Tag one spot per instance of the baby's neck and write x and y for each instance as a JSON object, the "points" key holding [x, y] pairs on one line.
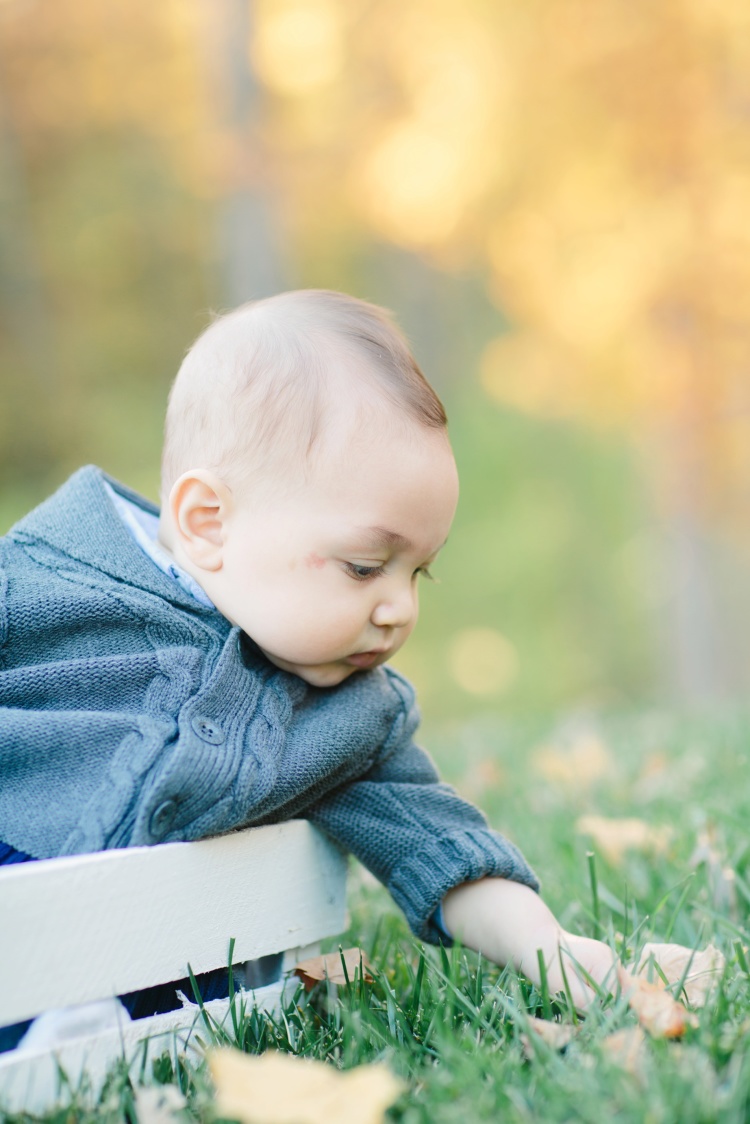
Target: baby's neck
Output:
{"points": [[166, 533]]}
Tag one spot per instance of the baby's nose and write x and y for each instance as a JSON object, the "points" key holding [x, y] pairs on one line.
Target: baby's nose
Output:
{"points": [[396, 611]]}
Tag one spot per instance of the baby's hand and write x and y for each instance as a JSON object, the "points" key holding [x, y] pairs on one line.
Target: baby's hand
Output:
{"points": [[509, 923], [586, 964]]}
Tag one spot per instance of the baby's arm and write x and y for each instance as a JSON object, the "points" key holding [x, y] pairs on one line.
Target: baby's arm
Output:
{"points": [[507, 922], [431, 847]]}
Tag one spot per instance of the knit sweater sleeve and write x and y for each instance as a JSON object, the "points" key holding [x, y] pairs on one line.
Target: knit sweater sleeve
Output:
{"points": [[415, 833]]}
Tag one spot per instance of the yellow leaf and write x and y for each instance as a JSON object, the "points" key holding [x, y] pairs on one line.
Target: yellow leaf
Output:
{"points": [[329, 967], [577, 765], [283, 1089], [556, 1035], [704, 968], [481, 777], [613, 837], [656, 1010], [626, 1048]]}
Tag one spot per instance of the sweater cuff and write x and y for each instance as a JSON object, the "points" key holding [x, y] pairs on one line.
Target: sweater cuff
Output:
{"points": [[421, 881]]}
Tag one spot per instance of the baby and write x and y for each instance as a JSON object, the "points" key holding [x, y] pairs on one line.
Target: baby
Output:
{"points": [[224, 663]]}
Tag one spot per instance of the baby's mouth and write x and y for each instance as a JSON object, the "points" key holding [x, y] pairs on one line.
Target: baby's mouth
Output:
{"points": [[366, 659]]}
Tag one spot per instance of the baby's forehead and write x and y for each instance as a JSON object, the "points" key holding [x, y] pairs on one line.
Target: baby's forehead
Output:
{"points": [[351, 429]]}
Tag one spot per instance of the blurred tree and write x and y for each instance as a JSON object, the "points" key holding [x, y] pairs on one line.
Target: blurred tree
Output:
{"points": [[249, 248], [103, 119], [593, 159], [582, 165], [24, 313]]}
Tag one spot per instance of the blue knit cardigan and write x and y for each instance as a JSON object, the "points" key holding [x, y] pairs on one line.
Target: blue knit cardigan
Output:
{"points": [[130, 714]]}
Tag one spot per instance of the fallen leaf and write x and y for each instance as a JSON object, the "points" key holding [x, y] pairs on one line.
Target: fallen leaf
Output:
{"points": [[626, 1048], [576, 764], [692, 1067], [665, 775], [157, 1104], [656, 1010], [556, 1035], [704, 968], [283, 1089], [481, 776], [613, 837], [329, 967], [721, 877], [655, 765]]}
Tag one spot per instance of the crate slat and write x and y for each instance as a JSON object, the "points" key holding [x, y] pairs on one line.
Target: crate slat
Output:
{"points": [[30, 1080], [77, 929]]}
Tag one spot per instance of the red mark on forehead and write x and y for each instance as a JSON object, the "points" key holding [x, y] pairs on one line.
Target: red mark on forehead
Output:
{"points": [[314, 561]]}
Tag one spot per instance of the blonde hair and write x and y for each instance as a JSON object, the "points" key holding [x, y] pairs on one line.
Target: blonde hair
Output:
{"points": [[253, 385]]}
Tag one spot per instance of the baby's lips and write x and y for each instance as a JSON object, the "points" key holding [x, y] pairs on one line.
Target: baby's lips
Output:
{"points": [[366, 659]]}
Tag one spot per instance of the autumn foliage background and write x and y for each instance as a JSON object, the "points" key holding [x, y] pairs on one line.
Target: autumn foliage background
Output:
{"points": [[554, 198]]}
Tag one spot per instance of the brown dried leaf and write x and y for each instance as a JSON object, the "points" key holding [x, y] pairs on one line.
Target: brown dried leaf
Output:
{"points": [[481, 776], [613, 837], [578, 764], [329, 967], [283, 1089], [705, 968], [656, 1010], [556, 1035], [626, 1048]]}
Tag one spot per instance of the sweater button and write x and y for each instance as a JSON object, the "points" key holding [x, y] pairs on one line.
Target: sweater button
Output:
{"points": [[162, 818], [208, 731]]}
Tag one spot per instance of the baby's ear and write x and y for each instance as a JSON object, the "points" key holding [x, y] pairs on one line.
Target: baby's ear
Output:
{"points": [[199, 504]]}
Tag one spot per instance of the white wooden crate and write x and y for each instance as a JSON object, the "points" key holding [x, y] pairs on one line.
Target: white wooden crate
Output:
{"points": [[74, 930]]}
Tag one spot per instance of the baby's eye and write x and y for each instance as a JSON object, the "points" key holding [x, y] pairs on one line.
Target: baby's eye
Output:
{"points": [[362, 573], [425, 573]]}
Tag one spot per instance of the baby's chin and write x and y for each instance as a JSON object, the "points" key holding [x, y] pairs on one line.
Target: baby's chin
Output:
{"points": [[317, 675]]}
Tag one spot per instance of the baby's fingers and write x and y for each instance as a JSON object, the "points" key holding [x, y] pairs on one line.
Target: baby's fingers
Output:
{"points": [[567, 976], [583, 969]]}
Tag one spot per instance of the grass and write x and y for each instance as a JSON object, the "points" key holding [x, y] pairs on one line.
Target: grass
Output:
{"points": [[453, 1026]]}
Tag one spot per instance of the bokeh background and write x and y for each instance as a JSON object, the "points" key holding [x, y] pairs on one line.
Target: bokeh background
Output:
{"points": [[554, 198]]}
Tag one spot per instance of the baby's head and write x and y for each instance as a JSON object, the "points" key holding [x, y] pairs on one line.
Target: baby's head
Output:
{"points": [[307, 479]]}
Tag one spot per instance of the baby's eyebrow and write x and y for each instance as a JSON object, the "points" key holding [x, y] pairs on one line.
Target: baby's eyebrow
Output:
{"points": [[382, 536]]}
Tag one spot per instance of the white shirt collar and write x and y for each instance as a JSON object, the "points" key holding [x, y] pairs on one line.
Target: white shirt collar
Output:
{"points": [[144, 527]]}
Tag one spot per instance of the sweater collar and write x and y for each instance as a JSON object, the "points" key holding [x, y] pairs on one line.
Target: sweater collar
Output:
{"points": [[81, 521]]}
